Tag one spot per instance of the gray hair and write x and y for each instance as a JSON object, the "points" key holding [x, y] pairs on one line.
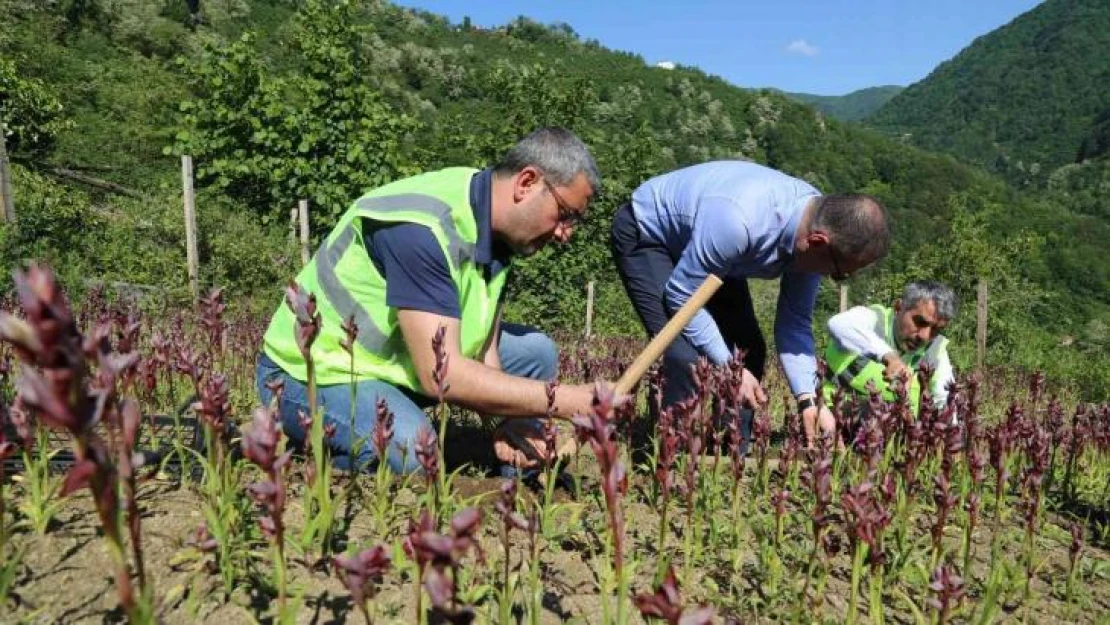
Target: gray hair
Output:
{"points": [[930, 290], [857, 225], [558, 152]]}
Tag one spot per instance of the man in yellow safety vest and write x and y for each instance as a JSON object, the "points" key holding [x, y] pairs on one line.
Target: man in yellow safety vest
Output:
{"points": [[423, 253], [872, 346]]}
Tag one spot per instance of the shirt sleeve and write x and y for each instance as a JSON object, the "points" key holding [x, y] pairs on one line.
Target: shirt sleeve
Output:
{"points": [[943, 375], [717, 241], [854, 331], [794, 329], [416, 271]]}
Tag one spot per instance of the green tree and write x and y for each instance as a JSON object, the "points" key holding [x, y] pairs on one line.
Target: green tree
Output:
{"points": [[963, 257], [321, 133], [30, 113]]}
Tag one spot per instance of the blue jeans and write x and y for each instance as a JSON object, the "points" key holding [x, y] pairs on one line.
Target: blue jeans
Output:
{"points": [[524, 352]]}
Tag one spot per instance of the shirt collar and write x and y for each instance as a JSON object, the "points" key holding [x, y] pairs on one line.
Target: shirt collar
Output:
{"points": [[790, 229], [481, 199]]}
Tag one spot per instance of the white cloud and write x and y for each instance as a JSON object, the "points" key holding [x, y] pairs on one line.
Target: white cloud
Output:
{"points": [[665, 64], [803, 47]]}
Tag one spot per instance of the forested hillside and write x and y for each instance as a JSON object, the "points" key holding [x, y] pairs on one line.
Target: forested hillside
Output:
{"points": [[852, 106], [1021, 101], [279, 100]]}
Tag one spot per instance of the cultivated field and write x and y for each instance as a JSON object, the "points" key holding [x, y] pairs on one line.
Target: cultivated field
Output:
{"points": [[143, 481]]}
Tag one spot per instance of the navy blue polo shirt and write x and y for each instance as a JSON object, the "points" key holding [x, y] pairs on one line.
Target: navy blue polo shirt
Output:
{"points": [[412, 261]]}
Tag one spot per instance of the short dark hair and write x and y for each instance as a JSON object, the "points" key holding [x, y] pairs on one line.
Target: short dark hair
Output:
{"points": [[857, 225], [558, 152]]}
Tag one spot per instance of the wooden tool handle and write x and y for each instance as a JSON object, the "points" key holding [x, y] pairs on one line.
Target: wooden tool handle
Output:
{"points": [[659, 344]]}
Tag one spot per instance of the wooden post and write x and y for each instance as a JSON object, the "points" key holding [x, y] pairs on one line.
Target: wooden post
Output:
{"points": [[981, 330], [843, 297], [190, 224], [589, 308], [7, 200], [303, 207]]}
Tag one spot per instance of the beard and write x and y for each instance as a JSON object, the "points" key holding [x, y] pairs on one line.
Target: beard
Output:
{"points": [[524, 250], [530, 247]]}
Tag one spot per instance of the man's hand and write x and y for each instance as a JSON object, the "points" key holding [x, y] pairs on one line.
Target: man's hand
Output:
{"points": [[752, 394], [896, 369], [573, 399], [818, 417], [519, 443]]}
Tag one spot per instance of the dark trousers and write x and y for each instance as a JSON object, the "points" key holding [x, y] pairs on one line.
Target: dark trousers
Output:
{"points": [[645, 266]]}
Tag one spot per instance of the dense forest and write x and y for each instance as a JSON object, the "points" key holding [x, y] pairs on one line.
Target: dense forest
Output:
{"points": [[850, 107], [1021, 101], [279, 100]]}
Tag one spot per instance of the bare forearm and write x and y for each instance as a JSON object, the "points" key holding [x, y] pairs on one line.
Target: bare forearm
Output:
{"points": [[478, 385], [487, 390]]}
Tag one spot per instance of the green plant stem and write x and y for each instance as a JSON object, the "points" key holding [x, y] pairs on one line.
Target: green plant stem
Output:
{"points": [[969, 548], [663, 526], [506, 595], [381, 492], [110, 522], [798, 608], [1069, 584], [322, 507], [535, 589], [354, 442], [1029, 531], [876, 588], [40, 504], [279, 571], [3, 518], [853, 596], [441, 482], [421, 617]]}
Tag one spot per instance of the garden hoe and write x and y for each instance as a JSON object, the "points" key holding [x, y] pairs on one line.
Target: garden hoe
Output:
{"points": [[636, 370]]}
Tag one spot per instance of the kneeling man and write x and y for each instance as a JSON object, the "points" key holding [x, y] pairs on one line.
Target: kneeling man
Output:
{"points": [[876, 345]]}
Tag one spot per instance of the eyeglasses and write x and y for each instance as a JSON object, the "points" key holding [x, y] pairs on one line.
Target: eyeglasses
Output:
{"points": [[568, 216], [838, 275]]}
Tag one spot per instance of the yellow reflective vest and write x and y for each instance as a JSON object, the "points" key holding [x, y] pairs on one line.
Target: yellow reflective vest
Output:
{"points": [[347, 283], [854, 372]]}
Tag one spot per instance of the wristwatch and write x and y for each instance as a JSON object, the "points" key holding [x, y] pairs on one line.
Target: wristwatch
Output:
{"points": [[807, 403]]}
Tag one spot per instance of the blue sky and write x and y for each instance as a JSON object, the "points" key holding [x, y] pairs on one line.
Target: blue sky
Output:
{"points": [[827, 47]]}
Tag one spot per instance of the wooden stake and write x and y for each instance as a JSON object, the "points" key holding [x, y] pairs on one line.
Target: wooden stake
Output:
{"points": [[589, 308], [981, 330], [7, 200], [303, 208], [190, 224], [843, 297]]}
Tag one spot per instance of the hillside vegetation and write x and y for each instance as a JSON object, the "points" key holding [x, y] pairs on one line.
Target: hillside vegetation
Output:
{"points": [[852, 106], [1022, 100], [279, 100]]}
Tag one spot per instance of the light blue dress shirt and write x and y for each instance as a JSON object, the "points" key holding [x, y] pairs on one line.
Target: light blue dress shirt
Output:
{"points": [[734, 219]]}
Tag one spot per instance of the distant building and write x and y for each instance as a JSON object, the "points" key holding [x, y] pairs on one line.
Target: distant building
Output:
{"points": [[665, 64]]}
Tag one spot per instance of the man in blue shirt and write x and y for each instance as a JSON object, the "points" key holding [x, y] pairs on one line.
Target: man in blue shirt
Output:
{"points": [[739, 220]]}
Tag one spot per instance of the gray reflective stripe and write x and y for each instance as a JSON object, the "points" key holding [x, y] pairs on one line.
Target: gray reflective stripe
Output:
{"points": [[457, 249], [854, 368], [370, 336]]}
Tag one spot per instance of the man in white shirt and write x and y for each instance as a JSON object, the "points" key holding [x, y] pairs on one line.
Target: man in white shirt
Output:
{"points": [[876, 345]]}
